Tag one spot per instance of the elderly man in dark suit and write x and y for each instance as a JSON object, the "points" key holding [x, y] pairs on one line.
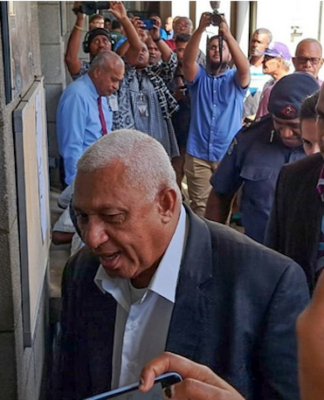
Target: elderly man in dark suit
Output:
{"points": [[296, 224], [156, 277]]}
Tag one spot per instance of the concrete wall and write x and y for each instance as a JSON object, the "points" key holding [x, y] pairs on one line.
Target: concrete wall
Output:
{"points": [[51, 27], [56, 20], [21, 369]]}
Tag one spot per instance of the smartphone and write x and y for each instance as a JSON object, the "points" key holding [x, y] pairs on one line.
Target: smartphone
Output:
{"points": [[149, 23], [132, 392]]}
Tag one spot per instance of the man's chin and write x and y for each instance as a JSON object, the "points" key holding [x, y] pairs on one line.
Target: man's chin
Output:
{"points": [[291, 142], [218, 66]]}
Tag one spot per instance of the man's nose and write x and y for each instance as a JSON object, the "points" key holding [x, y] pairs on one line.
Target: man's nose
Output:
{"points": [[94, 234], [286, 132]]}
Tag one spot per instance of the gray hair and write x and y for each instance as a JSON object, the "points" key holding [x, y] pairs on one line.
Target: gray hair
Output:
{"points": [[147, 164], [264, 31], [286, 63], [105, 59]]}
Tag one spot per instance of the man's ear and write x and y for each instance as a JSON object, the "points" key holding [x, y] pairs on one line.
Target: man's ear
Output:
{"points": [[167, 203], [96, 72], [294, 62]]}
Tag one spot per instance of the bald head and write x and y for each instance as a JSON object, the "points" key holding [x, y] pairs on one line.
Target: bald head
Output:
{"points": [[308, 43], [308, 57], [182, 25], [106, 72], [106, 59]]}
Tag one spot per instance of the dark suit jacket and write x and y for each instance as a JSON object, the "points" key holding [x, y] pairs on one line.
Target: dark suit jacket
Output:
{"points": [[295, 221], [235, 311]]}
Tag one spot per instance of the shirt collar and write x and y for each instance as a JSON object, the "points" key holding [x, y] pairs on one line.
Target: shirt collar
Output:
{"points": [[91, 86], [165, 279]]}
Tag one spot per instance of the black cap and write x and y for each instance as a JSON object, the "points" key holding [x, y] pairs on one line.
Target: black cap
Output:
{"points": [[98, 32], [288, 94]]}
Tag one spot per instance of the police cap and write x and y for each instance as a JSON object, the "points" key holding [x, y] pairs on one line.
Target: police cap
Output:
{"points": [[288, 94]]}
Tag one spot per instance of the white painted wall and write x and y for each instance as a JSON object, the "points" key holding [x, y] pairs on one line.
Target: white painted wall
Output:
{"points": [[180, 8]]}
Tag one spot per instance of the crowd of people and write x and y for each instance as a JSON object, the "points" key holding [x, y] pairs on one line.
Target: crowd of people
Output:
{"points": [[152, 273]]}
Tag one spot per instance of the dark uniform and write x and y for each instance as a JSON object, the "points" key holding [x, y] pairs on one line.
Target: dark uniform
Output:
{"points": [[254, 159]]}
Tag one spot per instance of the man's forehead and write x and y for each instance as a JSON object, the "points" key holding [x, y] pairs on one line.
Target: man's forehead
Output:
{"points": [[311, 49], [215, 41], [183, 21], [259, 36]]}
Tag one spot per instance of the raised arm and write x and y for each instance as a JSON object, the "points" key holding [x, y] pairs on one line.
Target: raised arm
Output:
{"points": [[239, 59], [72, 60], [135, 45], [163, 47], [190, 66]]}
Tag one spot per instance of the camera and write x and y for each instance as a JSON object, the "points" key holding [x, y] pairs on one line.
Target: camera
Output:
{"points": [[216, 18], [91, 7]]}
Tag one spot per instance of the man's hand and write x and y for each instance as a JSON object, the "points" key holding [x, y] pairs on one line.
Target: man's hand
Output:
{"points": [[204, 22], [224, 29], [77, 7], [118, 10], [199, 382], [138, 24], [155, 32]]}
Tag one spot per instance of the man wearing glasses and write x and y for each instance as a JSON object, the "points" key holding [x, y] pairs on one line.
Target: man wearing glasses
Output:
{"points": [[308, 57]]}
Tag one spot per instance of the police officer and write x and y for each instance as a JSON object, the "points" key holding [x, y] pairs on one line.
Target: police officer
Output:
{"points": [[256, 155]]}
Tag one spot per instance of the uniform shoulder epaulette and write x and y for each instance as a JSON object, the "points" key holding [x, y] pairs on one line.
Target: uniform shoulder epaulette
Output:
{"points": [[253, 123]]}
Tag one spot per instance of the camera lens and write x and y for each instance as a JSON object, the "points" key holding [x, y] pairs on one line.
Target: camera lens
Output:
{"points": [[216, 19]]}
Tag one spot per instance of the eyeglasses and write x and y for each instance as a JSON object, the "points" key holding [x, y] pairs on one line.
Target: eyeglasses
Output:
{"points": [[213, 48], [312, 60]]}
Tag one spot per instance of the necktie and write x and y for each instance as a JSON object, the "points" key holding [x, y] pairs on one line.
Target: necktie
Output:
{"points": [[102, 118]]}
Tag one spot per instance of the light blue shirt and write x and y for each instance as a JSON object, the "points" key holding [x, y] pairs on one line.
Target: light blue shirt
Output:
{"points": [[77, 122], [216, 114]]}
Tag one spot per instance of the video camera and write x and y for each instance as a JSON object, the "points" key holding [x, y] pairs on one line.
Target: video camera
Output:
{"points": [[91, 7]]}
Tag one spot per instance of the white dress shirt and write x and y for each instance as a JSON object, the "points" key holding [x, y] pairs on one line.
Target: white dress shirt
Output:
{"points": [[143, 315]]}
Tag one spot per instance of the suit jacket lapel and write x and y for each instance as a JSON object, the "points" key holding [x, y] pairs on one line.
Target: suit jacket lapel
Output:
{"points": [[313, 199], [191, 306]]}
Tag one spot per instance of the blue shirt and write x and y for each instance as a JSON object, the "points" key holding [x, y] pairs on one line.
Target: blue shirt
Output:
{"points": [[77, 122], [216, 113], [255, 158]]}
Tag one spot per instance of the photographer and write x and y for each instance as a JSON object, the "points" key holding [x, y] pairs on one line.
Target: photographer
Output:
{"points": [[217, 94], [75, 66], [96, 40]]}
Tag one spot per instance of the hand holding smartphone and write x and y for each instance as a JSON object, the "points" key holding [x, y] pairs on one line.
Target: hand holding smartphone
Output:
{"points": [[149, 23], [132, 392]]}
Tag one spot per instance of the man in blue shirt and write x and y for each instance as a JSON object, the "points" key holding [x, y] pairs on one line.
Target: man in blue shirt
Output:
{"points": [[78, 116], [217, 94], [81, 120], [257, 154]]}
